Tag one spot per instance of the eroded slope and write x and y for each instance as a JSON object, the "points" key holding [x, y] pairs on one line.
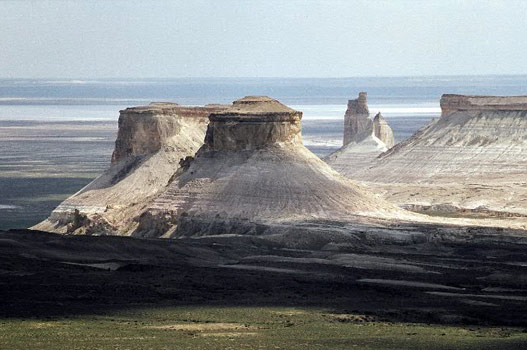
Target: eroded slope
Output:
{"points": [[474, 157], [151, 142], [254, 171]]}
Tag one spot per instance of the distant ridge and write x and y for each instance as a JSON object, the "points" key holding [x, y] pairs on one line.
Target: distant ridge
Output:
{"points": [[474, 157]]}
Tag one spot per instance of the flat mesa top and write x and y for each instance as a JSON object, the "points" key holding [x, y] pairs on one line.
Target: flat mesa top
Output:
{"points": [[257, 109], [474, 102], [171, 107]]}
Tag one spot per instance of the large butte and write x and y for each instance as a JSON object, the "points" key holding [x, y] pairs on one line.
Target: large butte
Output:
{"points": [[254, 173], [150, 143]]}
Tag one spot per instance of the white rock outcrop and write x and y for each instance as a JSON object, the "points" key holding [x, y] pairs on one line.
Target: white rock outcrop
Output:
{"points": [[151, 142], [253, 171], [477, 138], [472, 158], [357, 122], [359, 125], [383, 131], [364, 138], [247, 174]]}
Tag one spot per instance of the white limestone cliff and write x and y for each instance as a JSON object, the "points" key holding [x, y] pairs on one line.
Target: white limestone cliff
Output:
{"points": [[472, 160], [254, 172], [151, 143]]}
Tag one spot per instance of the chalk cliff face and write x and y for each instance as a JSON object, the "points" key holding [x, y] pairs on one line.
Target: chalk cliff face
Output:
{"points": [[148, 129], [358, 125], [451, 103], [476, 137], [473, 157], [251, 175], [251, 123], [152, 140], [253, 172]]}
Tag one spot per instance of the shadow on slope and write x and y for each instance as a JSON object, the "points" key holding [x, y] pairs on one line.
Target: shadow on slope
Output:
{"points": [[45, 275]]}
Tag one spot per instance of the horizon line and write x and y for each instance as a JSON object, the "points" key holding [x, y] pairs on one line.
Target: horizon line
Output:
{"points": [[271, 77]]}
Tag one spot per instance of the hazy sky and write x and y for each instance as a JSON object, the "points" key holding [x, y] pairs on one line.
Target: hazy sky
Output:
{"points": [[242, 38]]}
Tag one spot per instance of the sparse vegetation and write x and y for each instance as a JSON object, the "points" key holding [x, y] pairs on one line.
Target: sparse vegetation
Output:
{"points": [[245, 328]]}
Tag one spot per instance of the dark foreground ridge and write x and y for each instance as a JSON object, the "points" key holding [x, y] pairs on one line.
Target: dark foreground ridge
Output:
{"points": [[48, 275]]}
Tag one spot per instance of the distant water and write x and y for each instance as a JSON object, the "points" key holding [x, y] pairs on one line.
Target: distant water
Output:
{"points": [[401, 90], [57, 135]]}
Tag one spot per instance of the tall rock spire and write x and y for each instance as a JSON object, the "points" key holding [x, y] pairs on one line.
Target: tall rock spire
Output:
{"points": [[358, 125], [357, 122]]}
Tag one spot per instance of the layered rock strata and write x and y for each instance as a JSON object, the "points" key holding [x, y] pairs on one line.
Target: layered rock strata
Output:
{"points": [[251, 176], [356, 156], [482, 138], [451, 103], [474, 157], [252, 173], [151, 143]]}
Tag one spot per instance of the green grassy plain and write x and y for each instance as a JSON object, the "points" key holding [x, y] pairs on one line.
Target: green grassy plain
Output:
{"points": [[246, 328]]}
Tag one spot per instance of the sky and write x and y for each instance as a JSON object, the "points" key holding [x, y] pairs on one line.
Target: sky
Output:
{"points": [[268, 38]]}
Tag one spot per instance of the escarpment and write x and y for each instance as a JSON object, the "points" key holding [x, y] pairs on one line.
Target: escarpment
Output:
{"points": [[240, 169], [147, 129], [451, 103], [364, 138], [151, 142], [252, 173], [482, 138], [474, 157]]}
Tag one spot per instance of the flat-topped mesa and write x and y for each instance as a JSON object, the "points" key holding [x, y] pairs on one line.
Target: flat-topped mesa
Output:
{"points": [[254, 175], [253, 122], [357, 121], [471, 160], [452, 103], [477, 138], [145, 130], [151, 142]]}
